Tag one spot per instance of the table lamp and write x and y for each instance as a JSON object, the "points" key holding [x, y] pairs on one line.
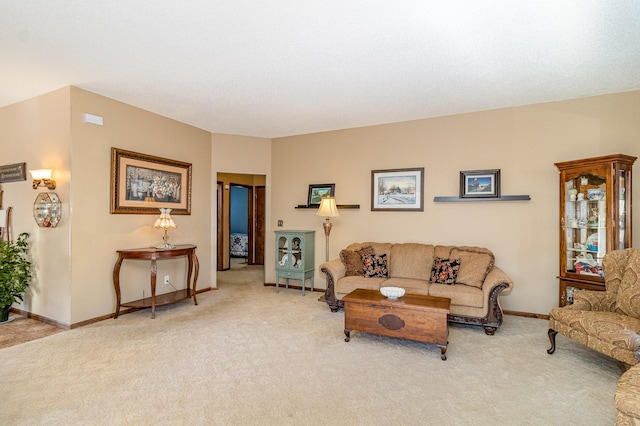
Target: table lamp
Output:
{"points": [[165, 222]]}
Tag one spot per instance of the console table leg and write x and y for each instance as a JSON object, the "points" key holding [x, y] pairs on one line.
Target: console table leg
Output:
{"points": [[154, 272], [196, 271], [116, 285], [443, 353], [347, 332]]}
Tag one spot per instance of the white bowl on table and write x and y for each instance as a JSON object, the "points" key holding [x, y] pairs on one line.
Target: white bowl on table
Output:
{"points": [[392, 292]]}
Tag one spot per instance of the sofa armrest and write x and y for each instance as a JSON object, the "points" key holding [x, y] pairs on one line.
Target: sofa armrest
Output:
{"points": [[332, 271], [496, 282], [593, 300], [334, 267], [496, 276]]}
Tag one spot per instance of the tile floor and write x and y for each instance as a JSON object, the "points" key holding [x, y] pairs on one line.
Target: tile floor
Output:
{"points": [[21, 329]]}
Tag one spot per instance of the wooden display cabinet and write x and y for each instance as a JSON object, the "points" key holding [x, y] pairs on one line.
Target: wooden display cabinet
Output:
{"points": [[595, 217]]}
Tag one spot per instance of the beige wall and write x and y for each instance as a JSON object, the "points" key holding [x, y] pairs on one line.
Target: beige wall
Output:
{"points": [[36, 131], [75, 276], [232, 154], [97, 234], [74, 261], [523, 142]]}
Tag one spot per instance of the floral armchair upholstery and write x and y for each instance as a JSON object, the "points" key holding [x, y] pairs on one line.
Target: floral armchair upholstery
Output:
{"points": [[607, 321]]}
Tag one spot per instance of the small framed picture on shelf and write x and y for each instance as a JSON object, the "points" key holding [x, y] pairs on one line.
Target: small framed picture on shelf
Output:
{"points": [[480, 183], [318, 191]]}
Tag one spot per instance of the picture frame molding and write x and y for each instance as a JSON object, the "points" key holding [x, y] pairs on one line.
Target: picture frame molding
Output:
{"points": [[121, 158], [415, 172], [494, 178], [331, 187]]}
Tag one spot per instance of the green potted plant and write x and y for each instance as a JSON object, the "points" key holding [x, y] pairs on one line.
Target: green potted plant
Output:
{"points": [[15, 273]]}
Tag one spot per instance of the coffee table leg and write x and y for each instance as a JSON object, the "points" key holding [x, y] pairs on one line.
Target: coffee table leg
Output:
{"points": [[443, 353], [347, 332]]}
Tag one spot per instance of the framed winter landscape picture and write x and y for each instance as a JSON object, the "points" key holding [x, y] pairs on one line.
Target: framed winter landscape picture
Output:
{"points": [[397, 190]]}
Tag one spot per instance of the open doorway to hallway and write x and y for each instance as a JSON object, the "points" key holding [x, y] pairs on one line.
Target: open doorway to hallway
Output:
{"points": [[241, 219]]}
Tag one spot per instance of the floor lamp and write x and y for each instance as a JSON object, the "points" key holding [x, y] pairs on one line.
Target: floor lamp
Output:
{"points": [[327, 209]]}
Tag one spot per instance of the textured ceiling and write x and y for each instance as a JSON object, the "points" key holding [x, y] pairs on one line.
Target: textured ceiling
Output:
{"points": [[287, 67]]}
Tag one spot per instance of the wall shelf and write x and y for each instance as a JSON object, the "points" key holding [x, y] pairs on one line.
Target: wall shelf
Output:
{"points": [[340, 206], [503, 198]]}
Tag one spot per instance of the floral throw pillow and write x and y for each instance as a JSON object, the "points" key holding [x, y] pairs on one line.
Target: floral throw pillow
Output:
{"points": [[444, 271], [375, 266]]}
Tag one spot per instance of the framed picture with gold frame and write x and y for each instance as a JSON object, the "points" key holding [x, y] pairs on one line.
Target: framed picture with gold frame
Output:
{"points": [[141, 183]]}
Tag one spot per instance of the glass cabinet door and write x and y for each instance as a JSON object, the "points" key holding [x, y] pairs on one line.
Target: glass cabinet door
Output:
{"points": [[283, 252], [595, 218], [296, 252], [623, 215], [585, 222]]}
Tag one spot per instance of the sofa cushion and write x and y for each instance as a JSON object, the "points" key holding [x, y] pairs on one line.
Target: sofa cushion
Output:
{"points": [[442, 252], [348, 284], [460, 295], [475, 264], [411, 285], [444, 271], [628, 298], [352, 260], [613, 329], [411, 260], [375, 266]]}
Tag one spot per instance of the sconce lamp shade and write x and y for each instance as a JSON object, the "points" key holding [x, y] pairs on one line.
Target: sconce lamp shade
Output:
{"points": [[328, 207], [165, 222], [42, 177]]}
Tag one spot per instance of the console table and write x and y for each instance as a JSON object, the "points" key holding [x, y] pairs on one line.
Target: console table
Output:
{"points": [[154, 254]]}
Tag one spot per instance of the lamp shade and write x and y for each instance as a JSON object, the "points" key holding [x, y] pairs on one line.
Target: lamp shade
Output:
{"points": [[40, 174], [165, 221], [328, 207]]}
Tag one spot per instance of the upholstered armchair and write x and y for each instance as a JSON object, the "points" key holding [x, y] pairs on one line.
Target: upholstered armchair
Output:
{"points": [[606, 321]]}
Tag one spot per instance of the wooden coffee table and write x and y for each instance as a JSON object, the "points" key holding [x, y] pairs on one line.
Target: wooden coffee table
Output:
{"points": [[413, 317]]}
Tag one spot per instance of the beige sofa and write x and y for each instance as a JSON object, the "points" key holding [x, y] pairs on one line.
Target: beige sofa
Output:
{"points": [[474, 292]]}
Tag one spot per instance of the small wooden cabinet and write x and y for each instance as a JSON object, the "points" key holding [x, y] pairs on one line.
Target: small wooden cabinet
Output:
{"points": [[295, 257], [595, 218]]}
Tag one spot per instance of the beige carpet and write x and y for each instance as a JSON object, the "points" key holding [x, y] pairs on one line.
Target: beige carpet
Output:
{"points": [[248, 356]]}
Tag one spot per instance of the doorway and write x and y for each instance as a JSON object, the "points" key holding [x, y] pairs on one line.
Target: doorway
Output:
{"points": [[241, 219]]}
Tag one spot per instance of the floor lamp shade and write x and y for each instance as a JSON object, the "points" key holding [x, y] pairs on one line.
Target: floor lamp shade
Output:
{"points": [[327, 209]]}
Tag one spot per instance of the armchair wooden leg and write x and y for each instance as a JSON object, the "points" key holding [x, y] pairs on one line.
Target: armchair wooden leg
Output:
{"points": [[552, 338]]}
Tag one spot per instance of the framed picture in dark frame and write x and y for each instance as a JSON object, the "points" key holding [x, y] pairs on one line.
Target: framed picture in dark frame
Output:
{"points": [[397, 190], [318, 191], [480, 183], [141, 183]]}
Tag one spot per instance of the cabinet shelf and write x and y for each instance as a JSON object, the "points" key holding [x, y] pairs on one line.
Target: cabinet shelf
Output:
{"points": [[340, 206], [503, 198]]}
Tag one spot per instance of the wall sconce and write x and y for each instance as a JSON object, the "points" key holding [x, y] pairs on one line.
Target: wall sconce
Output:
{"points": [[165, 222], [42, 177]]}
